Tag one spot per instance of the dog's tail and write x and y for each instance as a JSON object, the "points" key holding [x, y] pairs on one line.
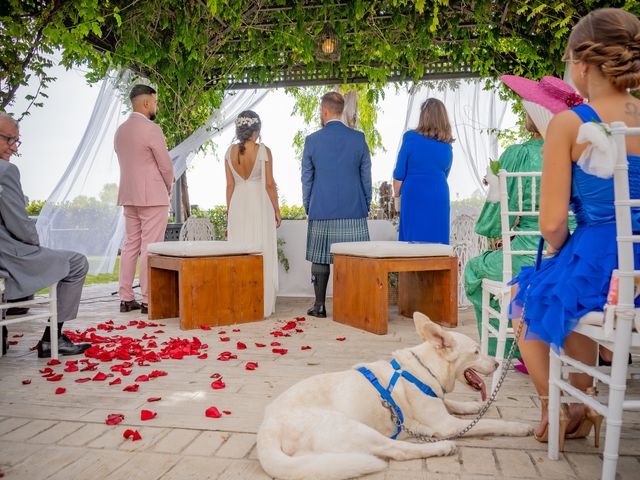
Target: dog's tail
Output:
{"points": [[316, 466]]}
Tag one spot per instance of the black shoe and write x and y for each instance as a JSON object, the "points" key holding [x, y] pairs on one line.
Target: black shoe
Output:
{"points": [[129, 306], [144, 308], [317, 311], [5, 340], [65, 347], [606, 363], [19, 310]]}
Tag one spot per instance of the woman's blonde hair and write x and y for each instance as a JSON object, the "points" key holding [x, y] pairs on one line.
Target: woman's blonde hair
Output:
{"points": [[609, 38], [434, 121]]}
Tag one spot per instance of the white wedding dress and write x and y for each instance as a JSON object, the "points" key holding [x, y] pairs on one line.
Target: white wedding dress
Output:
{"points": [[251, 220]]}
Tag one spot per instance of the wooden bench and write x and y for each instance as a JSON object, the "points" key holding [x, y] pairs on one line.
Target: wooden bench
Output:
{"points": [[428, 283], [205, 283]]}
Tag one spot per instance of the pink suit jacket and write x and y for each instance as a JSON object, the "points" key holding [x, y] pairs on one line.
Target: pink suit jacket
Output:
{"points": [[146, 172]]}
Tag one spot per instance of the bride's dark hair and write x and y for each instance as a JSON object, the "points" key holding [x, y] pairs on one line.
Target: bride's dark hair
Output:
{"points": [[247, 123]]}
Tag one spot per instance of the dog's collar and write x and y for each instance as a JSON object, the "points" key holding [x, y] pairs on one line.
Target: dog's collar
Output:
{"points": [[385, 393], [430, 372]]}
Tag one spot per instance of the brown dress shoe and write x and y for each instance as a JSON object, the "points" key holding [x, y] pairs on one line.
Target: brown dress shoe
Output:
{"points": [[129, 306]]}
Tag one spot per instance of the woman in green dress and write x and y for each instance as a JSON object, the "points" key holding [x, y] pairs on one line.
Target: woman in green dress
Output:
{"points": [[525, 157]]}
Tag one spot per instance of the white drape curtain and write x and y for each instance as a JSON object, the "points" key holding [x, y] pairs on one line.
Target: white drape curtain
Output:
{"points": [[81, 213]]}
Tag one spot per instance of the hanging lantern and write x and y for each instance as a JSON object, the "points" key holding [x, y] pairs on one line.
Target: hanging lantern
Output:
{"points": [[328, 44]]}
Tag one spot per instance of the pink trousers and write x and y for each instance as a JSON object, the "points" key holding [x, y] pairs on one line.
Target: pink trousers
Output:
{"points": [[143, 225]]}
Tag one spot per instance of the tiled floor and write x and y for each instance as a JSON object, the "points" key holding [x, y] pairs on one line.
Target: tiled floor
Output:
{"points": [[44, 435]]}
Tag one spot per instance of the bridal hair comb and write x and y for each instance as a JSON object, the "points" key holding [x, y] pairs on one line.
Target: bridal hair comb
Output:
{"points": [[246, 121]]}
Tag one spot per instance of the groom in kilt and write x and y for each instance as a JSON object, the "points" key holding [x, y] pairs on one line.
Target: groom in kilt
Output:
{"points": [[336, 192]]}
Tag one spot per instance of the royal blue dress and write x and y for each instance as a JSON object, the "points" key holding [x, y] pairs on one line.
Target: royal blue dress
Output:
{"points": [[423, 167], [576, 280]]}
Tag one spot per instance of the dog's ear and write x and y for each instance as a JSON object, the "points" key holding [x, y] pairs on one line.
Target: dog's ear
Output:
{"points": [[431, 332]]}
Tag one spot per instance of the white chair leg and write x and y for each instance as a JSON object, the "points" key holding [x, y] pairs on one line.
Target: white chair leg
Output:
{"points": [[555, 367], [616, 398], [501, 343], [484, 332], [53, 319]]}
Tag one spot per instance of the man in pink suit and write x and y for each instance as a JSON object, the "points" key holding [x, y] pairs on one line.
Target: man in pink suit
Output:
{"points": [[146, 178]]}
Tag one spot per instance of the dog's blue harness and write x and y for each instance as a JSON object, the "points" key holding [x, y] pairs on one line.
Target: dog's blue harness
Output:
{"points": [[385, 393]]}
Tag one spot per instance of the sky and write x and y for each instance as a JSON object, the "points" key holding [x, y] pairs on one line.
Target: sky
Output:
{"points": [[51, 134]]}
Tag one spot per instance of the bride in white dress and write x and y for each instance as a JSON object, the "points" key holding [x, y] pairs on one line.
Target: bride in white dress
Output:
{"points": [[253, 213]]}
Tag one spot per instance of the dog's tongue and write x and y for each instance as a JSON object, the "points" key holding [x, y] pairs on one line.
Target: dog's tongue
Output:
{"points": [[479, 383]]}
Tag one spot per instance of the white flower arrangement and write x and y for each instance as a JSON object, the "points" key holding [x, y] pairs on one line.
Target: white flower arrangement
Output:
{"points": [[246, 121]]}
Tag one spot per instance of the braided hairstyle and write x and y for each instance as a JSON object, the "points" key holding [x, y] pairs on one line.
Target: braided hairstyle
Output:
{"points": [[609, 38], [247, 123]]}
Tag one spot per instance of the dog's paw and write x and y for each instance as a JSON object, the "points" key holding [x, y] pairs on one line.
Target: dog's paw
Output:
{"points": [[446, 447], [471, 408], [517, 429]]}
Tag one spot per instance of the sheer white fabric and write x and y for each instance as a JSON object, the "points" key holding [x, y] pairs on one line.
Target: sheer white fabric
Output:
{"points": [[81, 214], [251, 220]]}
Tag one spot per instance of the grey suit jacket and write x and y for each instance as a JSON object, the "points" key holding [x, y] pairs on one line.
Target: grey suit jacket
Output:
{"points": [[27, 266]]}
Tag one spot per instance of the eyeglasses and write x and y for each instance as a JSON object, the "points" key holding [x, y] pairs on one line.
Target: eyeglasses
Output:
{"points": [[11, 140]]}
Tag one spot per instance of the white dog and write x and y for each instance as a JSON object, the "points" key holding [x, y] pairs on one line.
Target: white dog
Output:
{"points": [[333, 426]]}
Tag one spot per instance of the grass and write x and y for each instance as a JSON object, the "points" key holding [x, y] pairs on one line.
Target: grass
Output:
{"points": [[101, 277]]}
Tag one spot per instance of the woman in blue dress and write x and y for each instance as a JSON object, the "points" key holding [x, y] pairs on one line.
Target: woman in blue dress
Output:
{"points": [[604, 61], [420, 177]]}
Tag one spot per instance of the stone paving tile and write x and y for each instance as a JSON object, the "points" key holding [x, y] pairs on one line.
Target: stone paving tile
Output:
{"points": [[99, 463], [237, 446], [56, 432], [182, 444], [144, 466], [46, 463], [197, 468], [206, 443]]}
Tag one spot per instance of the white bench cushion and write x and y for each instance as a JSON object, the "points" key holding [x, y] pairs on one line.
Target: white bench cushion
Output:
{"points": [[391, 249], [212, 248]]}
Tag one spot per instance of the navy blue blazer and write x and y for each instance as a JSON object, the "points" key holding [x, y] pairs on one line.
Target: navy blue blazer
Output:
{"points": [[336, 173]]}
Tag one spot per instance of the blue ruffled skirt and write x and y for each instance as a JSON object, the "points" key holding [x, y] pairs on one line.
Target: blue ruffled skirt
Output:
{"points": [[567, 286]]}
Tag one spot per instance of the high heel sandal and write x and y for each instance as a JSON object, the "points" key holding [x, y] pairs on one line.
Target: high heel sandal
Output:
{"points": [[564, 421], [591, 418]]}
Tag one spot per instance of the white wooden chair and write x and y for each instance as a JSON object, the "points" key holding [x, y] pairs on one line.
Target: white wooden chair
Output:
{"points": [[615, 331], [50, 316], [500, 290], [197, 229], [466, 244]]}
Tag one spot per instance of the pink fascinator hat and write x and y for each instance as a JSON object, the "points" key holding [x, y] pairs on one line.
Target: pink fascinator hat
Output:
{"points": [[543, 99]]}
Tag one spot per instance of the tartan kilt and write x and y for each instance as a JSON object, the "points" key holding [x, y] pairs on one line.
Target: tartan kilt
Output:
{"points": [[321, 234]]}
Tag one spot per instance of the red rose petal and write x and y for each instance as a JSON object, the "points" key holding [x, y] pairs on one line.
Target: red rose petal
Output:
{"points": [[300, 319], [46, 370], [290, 326], [117, 381], [235, 330], [341, 339], [114, 418], [54, 362], [26, 381], [100, 377], [226, 412], [204, 356], [280, 351], [221, 332], [224, 339], [275, 344], [12, 342], [18, 335], [71, 368], [205, 327], [158, 373], [55, 378], [159, 331], [147, 415], [142, 378], [212, 412], [131, 388], [241, 346], [60, 390], [251, 365], [260, 345], [154, 399], [215, 375], [82, 380], [132, 434], [218, 384], [305, 347]]}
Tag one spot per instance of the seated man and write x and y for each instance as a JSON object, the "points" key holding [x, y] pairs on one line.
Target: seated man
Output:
{"points": [[27, 266]]}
